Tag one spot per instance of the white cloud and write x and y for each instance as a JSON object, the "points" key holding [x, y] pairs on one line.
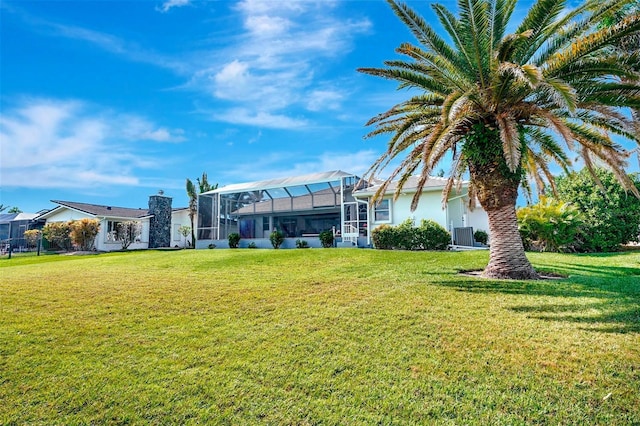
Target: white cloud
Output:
{"points": [[109, 43], [266, 26], [62, 144], [274, 63], [319, 100], [283, 164], [256, 138], [137, 128], [167, 5], [260, 119]]}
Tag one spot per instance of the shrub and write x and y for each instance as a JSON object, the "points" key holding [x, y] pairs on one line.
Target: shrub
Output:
{"points": [[383, 237], [405, 236], [211, 246], [127, 232], [276, 238], [481, 236], [234, 240], [32, 237], [57, 233], [549, 225], [252, 245], [428, 236], [611, 218], [83, 233], [431, 235], [302, 244], [185, 230], [326, 238]]}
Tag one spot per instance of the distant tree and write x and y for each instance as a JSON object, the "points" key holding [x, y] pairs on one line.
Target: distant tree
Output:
{"points": [[611, 214], [192, 193], [127, 232], [83, 233], [204, 184], [184, 230], [193, 206], [58, 233], [3, 208], [14, 210]]}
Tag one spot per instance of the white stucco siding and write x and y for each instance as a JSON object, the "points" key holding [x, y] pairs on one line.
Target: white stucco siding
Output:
{"points": [[478, 219], [429, 208], [457, 213], [66, 215], [180, 218]]}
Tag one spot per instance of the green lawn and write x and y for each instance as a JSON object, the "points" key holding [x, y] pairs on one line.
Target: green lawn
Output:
{"points": [[319, 336]]}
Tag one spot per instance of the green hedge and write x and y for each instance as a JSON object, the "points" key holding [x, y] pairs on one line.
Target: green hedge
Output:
{"points": [[428, 236]]}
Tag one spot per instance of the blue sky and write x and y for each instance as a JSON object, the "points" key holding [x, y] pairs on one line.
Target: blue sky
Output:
{"points": [[108, 102]]}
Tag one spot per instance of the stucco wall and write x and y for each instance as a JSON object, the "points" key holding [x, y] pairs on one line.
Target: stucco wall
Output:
{"points": [[180, 218], [430, 207]]}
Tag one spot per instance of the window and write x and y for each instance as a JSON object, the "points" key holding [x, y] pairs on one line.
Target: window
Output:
{"points": [[112, 226], [382, 211]]}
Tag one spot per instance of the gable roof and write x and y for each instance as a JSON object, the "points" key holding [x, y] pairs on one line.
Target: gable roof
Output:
{"points": [[99, 210]]}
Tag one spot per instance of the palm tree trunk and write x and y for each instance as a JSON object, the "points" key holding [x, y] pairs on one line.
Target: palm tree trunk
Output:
{"points": [[497, 195], [193, 232], [507, 258]]}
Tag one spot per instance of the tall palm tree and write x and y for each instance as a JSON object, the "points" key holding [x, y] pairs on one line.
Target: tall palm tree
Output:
{"points": [[192, 193], [493, 101], [204, 185]]}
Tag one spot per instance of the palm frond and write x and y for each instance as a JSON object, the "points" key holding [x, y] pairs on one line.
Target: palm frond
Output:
{"points": [[408, 78], [510, 137]]}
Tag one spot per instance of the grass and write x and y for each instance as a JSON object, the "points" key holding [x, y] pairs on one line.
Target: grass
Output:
{"points": [[321, 336]]}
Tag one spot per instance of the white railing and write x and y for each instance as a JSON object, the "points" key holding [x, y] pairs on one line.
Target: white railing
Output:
{"points": [[350, 234]]}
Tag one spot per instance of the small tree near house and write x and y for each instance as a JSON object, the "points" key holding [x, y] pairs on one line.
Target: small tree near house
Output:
{"points": [[185, 230], [83, 233], [32, 237], [128, 232], [57, 233]]}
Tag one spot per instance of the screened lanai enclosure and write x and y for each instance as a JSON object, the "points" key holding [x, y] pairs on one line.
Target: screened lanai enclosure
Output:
{"points": [[300, 207]]}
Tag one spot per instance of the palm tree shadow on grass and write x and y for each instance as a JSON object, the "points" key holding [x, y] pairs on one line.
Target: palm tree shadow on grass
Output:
{"points": [[617, 289]]}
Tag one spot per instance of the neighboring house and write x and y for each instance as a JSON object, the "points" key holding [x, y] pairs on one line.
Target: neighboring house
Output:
{"points": [[303, 206], [159, 223], [14, 225]]}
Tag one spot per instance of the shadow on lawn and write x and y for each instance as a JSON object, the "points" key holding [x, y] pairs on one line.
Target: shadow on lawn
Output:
{"points": [[617, 289]]}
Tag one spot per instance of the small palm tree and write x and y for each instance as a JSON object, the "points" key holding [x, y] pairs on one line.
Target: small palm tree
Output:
{"points": [[192, 193], [497, 102], [204, 185]]}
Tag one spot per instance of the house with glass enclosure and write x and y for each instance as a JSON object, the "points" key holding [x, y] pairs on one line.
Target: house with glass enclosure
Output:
{"points": [[302, 207]]}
